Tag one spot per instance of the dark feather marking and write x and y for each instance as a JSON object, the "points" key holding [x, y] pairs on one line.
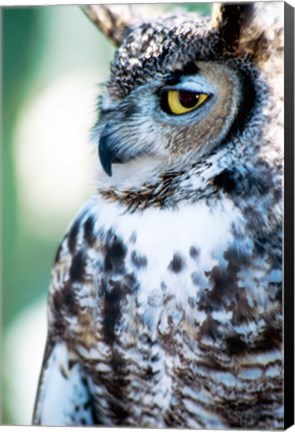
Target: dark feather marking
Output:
{"points": [[64, 300], [146, 339], [209, 328], [59, 325], [155, 358], [271, 337], [72, 237], [119, 411], [237, 411], [112, 311], [139, 261], [173, 417], [236, 258], [260, 245], [235, 345], [113, 297], [114, 292], [130, 283], [277, 194], [225, 181], [84, 381], [89, 233], [242, 312], [69, 299], [72, 363], [116, 387], [115, 254], [149, 373], [194, 252], [89, 404], [177, 264], [63, 371], [225, 282], [169, 419], [77, 269], [224, 286]]}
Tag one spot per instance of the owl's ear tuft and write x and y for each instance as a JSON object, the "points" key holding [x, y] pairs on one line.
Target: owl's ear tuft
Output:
{"points": [[112, 20], [231, 20]]}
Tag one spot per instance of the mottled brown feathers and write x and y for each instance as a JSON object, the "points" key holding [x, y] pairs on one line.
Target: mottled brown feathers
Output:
{"points": [[165, 305]]}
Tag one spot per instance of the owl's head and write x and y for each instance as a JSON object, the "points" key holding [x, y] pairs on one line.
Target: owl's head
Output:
{"points": [[182, 86]]}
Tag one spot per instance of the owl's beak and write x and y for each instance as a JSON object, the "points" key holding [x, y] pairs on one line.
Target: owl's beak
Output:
{"points": [[109, 150], [112, 148], [106, 154]]}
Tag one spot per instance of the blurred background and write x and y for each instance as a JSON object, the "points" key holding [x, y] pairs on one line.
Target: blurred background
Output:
{"points": [[53, 62]]}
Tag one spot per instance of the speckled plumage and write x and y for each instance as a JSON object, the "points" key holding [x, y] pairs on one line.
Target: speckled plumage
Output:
{"points": [[165, 306]]}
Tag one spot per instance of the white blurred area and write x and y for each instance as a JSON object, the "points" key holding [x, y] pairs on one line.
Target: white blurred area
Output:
{"points": [[24, 343], [54, 164], [53, 157], [54, 168]]}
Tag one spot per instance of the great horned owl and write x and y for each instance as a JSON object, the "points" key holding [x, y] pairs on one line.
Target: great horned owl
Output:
{"points": [[165, 306]]}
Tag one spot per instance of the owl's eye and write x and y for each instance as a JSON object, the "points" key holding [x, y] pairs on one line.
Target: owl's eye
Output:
{"points": [[181, 101]]}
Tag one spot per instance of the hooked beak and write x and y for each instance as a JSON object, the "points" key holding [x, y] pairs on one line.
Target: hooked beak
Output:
{"points": [[113, 149], [108, 150], [106, 154]]}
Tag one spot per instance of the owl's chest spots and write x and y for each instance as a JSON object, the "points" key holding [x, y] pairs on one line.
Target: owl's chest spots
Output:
{"points": [[167, 251], [170, 307], [154, 269], [160, 271]]}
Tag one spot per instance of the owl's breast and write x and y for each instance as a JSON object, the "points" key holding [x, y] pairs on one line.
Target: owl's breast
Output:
{"points": [[187, 318]]}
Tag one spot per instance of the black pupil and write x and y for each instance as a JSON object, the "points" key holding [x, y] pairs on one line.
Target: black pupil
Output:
{"points": [[188, 99]]}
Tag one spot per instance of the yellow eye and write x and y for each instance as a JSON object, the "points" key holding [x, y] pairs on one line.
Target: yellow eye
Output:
{"points": [[182, 101]]}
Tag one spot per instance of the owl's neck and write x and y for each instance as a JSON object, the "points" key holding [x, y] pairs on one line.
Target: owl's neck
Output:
{"points": [[155, 182]]}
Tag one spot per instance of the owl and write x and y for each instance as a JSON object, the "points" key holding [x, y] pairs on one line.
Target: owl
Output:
{"points": [[165, 302]]}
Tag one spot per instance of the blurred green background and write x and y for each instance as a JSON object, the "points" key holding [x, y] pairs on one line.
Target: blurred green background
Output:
{"points": [[53, 59]]}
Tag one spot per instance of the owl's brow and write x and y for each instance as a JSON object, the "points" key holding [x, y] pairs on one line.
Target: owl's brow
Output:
{"points": [[189, 68]]}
